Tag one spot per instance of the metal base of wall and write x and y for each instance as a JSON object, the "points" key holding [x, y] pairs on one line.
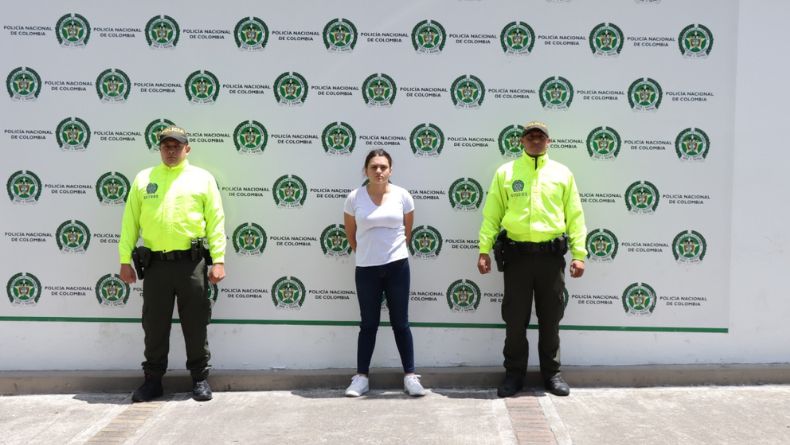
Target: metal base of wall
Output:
{"points": [[68, 382]]}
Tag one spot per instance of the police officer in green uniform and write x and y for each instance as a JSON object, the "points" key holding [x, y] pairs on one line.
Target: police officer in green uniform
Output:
{"points": [[176, 209], [532, 216]]}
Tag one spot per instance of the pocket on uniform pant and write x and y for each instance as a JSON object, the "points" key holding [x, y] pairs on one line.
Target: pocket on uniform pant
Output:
{"points": [[561, 280]]}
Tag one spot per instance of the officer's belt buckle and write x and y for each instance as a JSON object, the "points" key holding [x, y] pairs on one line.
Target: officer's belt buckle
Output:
{"points": [[173, 255]]}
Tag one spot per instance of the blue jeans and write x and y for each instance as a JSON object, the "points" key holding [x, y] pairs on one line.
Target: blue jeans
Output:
{"points": [[392, 280]]}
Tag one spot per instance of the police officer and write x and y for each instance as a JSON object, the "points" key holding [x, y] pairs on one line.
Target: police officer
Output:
{"points": [[177, 210], [533, 214]]}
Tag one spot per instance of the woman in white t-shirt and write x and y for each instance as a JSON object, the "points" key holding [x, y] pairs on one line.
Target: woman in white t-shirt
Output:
{"points": [[378, 219]]}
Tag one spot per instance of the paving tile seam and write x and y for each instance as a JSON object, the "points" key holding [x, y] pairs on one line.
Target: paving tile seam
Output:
{"points": [[529, 421], [557, 426], [127, 423], [117, 406], [503, 424]]}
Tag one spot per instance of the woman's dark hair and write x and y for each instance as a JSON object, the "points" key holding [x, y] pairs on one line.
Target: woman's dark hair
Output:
{"points": [[377, 152]]}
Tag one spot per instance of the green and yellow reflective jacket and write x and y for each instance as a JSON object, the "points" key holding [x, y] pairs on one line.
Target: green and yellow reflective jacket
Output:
{"points": [[169, 207], [536, 200]]}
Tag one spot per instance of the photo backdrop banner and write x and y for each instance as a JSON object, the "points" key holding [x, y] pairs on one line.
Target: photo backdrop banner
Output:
{"points": [[283, 101]]}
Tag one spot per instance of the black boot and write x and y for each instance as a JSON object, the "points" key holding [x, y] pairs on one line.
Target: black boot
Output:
{"points": [[557, 386], [511, 385], [149, 390], [201, 391]]}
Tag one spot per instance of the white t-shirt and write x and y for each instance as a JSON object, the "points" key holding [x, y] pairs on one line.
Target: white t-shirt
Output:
{"points": [[381, 235]]}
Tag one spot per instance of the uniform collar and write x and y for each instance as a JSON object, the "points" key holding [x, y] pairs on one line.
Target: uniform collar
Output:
{"points": [[534, 162], [176, 168]]}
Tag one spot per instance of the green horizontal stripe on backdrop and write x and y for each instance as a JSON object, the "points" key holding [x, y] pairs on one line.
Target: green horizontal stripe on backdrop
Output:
{"points": [[383, 323]]}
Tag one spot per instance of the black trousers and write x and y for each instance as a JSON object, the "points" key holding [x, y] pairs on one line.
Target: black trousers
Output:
{"points": [[166, 283], [539, 277]]}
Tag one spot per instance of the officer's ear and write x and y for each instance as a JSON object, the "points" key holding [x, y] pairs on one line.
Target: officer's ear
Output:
{"points": [[188, 148]]}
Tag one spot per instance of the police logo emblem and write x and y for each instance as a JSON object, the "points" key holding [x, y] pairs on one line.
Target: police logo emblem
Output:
{"points": [[517, 38], [288, 293], [695, 41], [338, 138], [113, 85], [428, 37], [73, 30], [602, 245], [73, 134], [379, 90], [463, 296], [112, 188], [152, 132], [73, 237], [692, 144], [334, 242], [689, 246], [510, 142], [606, 39], [151, 188], [290, 89], [426, 242], [289, 191], [518, 185], [24, 187], [23, 289], [426, 140], [603, 143], [251, 34], [23, 84], [565, 297], [340, 35], [250, 137], [639, 299], [556, 93], [249, 239], [111, 291], [468, 92], [213, 293], [162, 32], [644, 95], [641, 197], [465, 194], [202, 87]]}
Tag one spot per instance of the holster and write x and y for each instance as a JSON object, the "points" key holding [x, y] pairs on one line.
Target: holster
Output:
{"points": [[141, 257], [499, 251], [560, 244], [199, 250]]}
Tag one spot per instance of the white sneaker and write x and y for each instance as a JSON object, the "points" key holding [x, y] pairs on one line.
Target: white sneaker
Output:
{"points": [[358, 386], [412, 386]]}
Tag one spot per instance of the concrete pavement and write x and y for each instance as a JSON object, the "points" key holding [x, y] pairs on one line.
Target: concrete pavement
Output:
{"points": [[611, 416]]}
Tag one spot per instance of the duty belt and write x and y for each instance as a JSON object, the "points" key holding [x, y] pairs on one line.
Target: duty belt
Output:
{"points": [[173, 255], [558, 245], [529, 247]]}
